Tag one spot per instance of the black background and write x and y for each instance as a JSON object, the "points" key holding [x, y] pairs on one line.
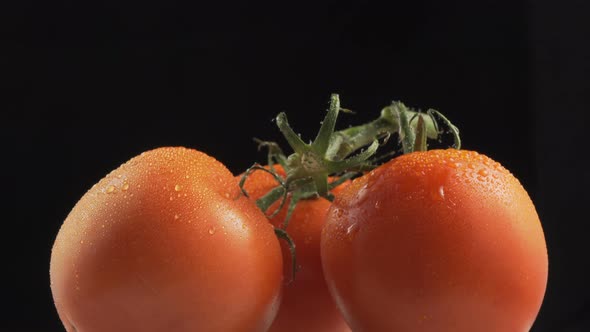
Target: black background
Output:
{"points": [[86, 86]]}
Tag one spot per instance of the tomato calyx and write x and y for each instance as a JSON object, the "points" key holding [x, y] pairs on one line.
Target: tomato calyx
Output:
{"points": [[314, 162]]}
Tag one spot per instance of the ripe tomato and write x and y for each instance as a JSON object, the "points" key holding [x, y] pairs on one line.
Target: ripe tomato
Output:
{"points": [[444, 240], [166, 242], [306, 305]]}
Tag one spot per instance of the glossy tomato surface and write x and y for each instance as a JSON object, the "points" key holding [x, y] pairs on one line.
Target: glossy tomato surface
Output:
{"points": [[306, 305], [166, 242], [444, 240]]}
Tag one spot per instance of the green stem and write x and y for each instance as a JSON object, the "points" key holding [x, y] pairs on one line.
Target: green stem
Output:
{"points": [[281, 234], [322, 140], [407, 134], [420, 141], [332, 153], [346, 142], [270, 197], [452, 128], [292, 138]]}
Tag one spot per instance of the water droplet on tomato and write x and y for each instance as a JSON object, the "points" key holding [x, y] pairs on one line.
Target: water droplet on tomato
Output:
{"points": [[110, 189], [438, 194], [125, 187], [483, 172], [176, 217], [352, 230], [177, 187], [377, 205], [360, 196], [212, 230]]}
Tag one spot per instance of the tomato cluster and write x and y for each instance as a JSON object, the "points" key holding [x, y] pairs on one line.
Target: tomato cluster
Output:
{"points": [[439, 240]]}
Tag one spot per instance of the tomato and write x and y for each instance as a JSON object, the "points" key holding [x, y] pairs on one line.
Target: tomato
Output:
{"points": [[306, 305], [166, 242], [444, 240]]}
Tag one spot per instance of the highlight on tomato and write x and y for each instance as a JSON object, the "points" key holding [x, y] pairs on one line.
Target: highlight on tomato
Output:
{"points": [[166, 242]]}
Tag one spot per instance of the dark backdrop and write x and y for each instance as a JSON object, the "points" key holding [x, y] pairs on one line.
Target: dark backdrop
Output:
{"points": [[87, 86]]}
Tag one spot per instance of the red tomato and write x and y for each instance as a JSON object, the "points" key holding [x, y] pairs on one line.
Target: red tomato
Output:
{"points": [[444, 240], [306, 305], [166, 242]]}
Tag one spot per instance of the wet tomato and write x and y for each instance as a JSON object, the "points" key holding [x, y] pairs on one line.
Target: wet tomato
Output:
{"points": [[306, 305], [166, 242], [444, 240]]}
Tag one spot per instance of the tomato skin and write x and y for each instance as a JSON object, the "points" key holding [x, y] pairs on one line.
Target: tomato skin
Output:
{"points": [[166, 243], [306, 304], [444, 240]]}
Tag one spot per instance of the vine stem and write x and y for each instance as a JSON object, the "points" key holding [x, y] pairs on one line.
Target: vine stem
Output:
{"points": [[348, 141], [335, 152]]}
